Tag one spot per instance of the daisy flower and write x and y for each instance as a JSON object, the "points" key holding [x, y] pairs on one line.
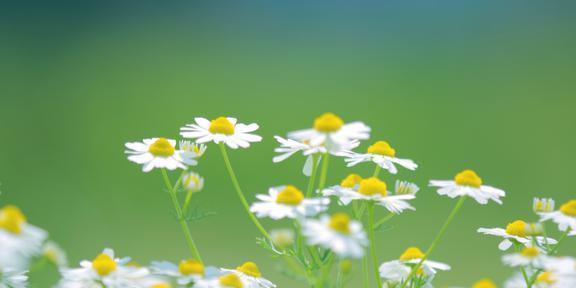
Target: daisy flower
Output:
{"points": [[396, 271], [338, 233], [405, 188], [282, 238], [103, 271], [251, 276], [229, 280], [196, 149], [10, 278], [529, 256], [331, 132], [546, 279], [159, 153], [55, 254], [380, 153], [185, 273], [289, 147], [221, 129], [192, 182], [484, 283], [287, 202], [19, 240], [518, 232], [468, 183], [353, 187], [565, 217], [543, 205]]}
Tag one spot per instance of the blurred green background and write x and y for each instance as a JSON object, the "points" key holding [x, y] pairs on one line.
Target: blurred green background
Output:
{"points": [[487, 85]]}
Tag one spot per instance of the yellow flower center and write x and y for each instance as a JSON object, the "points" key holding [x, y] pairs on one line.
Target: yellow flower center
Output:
{"points": [[382, 148], [530, 252], [221, 125], [340, 222], [161, 147], [328, 122], [12, 219], [412, 253], [346, 266], [191, 267], [351, 181], [569, 208], [468, 178], [250, 268], [290, 196], [545, 277], [104, 264], [231, 280], [161, 285], [484, 283], [372, 186], [517, 228]]}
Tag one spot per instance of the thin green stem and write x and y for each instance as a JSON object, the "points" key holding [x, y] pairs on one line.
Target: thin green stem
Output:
{"points": [[436, 240], [340, 276], [312, 179], [551, 253], [376, 171], [239, 191], [187, 202], [373, 242], [383, 220], [180, 215], [325, 271], [366, 281], [324, 173]]}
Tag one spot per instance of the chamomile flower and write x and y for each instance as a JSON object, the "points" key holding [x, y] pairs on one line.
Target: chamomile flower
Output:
{"points": [[221, 129], [338, 233], [529, 256], [159, 153], [287, 202], [55, 254], [196, 149], [468, 183], [380, 153], [353, 187], [192, 182], [282, 238], [186, 272], [518, 232], [405, 188], [565, 217], [19, 241], [543, 205], [103, 271], [546, 279], [396, 271], [227, 280], [562, 267], [250, 275], [289, 147], [10, 278], [331, 132], [484, 283]]}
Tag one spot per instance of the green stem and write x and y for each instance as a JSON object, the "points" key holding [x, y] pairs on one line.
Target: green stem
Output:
{"points": [[325, 271], [377, 171], [383, 220], [436, 240], [187, 202], [324, 173], [339, 276], [552, 253], [239, 190], [312, 180], [366, 281], [373, 242], [180, 215]]}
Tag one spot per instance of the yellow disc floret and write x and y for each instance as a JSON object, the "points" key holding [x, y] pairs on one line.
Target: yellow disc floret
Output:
{"points": [[517, 228], [161, 285], [468, 178], [412, 253], [328, 122], [569, 208], [484, 283], [530, 252], [249, 268], [103, 264], [546, 278], [290, 195], [221, 125], [351, 180], [191, 267], [382, 148], [372, 186], [340, 222], [161, 147], [231, 280], [12, 219]]}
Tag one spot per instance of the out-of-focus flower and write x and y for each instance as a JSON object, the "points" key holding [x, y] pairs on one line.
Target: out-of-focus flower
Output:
{"points": [[10, 278], [543, 205], [192, 182], [468, 183], [380, 153], [250, 275], [221, 129], [565, 217], [282, 238], [287, 202], [159, 153], [396, 271], [19, 240], [529, 256], [55, 254], [518, 232], [338, 233]]}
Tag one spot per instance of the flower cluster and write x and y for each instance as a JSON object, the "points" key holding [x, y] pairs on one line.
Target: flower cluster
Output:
{"points": [[326, 226]]}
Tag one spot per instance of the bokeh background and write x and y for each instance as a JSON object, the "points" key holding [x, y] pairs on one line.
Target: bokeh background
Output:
{"points": [[487, 85]]}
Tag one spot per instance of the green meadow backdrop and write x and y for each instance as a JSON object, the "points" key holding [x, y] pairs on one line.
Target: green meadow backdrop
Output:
{"points": [[487, 85]]}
